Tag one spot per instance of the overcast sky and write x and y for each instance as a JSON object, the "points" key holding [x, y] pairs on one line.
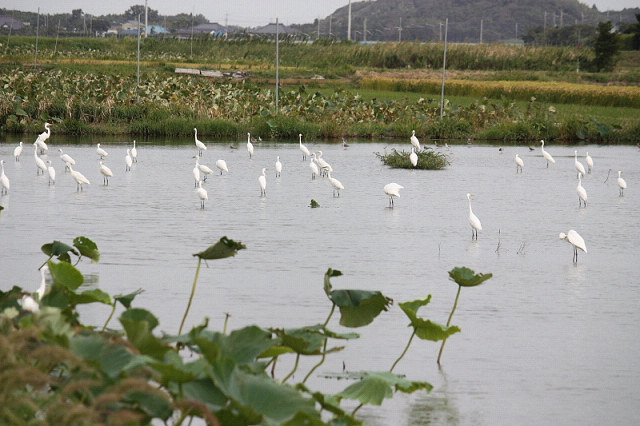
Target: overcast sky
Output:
{"points": [[251, 13]]}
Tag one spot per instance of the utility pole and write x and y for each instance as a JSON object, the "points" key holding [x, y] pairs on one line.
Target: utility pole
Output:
{"points": [[561, 18], [35, 61], [330, 21], [318, 36], [516, 30], [277, 63], [481, 25], [364, 34], [441, 24], [349, 23], [146, 20], [444, 68], [400, 31]]}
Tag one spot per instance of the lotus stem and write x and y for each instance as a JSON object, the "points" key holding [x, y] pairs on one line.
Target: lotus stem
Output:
{"points": [[113, 311], [295, 367], [455, 305], [403, 352], [193, 291], [353, 413], [324, 347], [226, 322]]}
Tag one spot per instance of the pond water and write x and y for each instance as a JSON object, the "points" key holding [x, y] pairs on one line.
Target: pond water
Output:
{"points": [[543, 341]]}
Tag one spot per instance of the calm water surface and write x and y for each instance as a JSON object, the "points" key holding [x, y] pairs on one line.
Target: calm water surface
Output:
{"points": [[543, 341]]}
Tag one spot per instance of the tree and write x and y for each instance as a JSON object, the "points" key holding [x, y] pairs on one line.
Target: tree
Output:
{"points": [[606, 47], [134, 11]]}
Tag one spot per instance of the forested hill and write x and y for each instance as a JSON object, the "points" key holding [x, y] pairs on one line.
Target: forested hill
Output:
{"points": [[497, 20]]}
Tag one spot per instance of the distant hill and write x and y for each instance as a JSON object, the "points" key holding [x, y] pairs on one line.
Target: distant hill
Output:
{"points": [[422, 20]]}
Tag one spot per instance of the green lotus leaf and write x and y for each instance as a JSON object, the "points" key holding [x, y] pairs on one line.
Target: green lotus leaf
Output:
{"points": [[374, 387], [223, 248], [66, 275], [126, 299], [87, 248], [152, 402], [57, 248], [465, 277], [359, 307]]}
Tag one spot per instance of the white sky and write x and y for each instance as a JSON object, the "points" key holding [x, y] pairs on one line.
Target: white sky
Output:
{"points": [[251, 13]]}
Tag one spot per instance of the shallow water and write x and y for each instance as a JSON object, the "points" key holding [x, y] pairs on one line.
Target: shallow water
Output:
{"points": [[543, 341]]}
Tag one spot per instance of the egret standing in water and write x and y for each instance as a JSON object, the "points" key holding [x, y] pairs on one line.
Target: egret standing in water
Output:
{"points": [[101, 152], [313, 166], [134, 152], [621, 183], [519, 164], [413, 157], [545, 154], [304, 149], [128, 161], [589, 161], [473, 220], [4, 180], [106, 173], [52, 173], [28, 302], [17, 152], [202, 194], [576, 241], [263, 183], [414, 141], [582, 193], [249, 145], [337, 185], [222, 166], [578, 165], [206, 170], [196, 172], [79, 178], [40, 164], [392, 190], [66, 159], [42, 138], [278, 167], [201, 147]]}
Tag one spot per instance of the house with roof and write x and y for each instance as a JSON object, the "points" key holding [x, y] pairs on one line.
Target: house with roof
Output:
{"points": [[210, 28], [270, 29], [8, 22]]}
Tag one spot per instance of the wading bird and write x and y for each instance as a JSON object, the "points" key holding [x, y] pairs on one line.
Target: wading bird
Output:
{"points": [[42, 138], [278, 166], [206, 170], [196, 172], [304, 149], [344, 144], [4, 180], [128, 161], [17, 152], [202, 194], [576, 241], [134, 152], [249, 145], [545, 154], [222, 166], [262, 179], [519, 164], [40, 164], [621, 184], [313, 166], [66, 159], [392, 190], [106, 173], [578, 165], [52, 173], [201, 147], [28, 302], [79, 178], [589, 161], [337, 185], [101, 152], [473, 220], [414, 140], [582, 193], [413, 157]]}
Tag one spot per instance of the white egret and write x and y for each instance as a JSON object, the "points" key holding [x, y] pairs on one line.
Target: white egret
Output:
{"points": [[202, 194], [545, 154], [201, 147], [621, 183], [4, 180], [324, 166], [519, 163], [582, 193], [28, 302], [263, 183], [66, 159], [337, 185], [345, 145], [278, 167], [17, 152], [304, 149], [41, 166], [222, 166], [79, 178], [578, 165], [101, 152], [392, 190], [196, 172], [576, 241], [134, 152], [42, 138], [52, 173], [413, 157], [414, 140], [106, 173], [206, 170], [313, 166], [249, 145], [589, 161], [473, 220], [128, 161]]}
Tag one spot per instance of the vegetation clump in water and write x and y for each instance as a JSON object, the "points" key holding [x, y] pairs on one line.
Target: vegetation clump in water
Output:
{"points": [[427, 160]]}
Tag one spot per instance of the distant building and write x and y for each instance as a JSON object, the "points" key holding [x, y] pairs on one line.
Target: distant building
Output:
{"points": [[210, 28], [7, 22], [153, 30], [270, 29]]}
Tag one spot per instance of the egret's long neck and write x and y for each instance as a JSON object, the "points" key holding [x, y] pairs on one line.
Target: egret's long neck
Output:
{"points": [[470, 211]]}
